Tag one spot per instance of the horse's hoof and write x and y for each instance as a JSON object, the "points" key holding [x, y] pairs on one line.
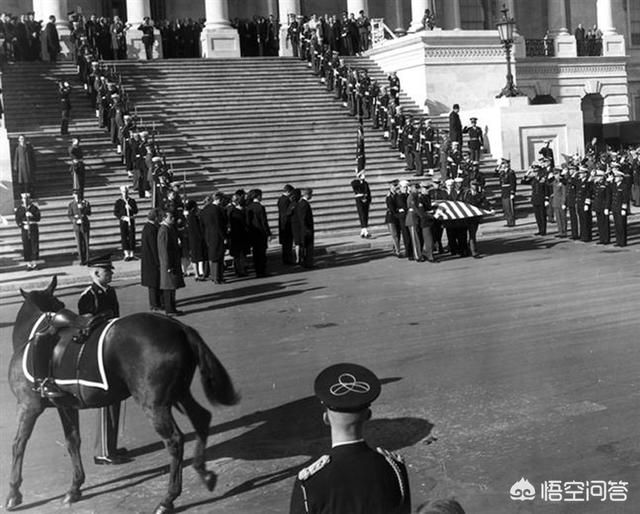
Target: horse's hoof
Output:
{"points": [[13, 500], [71, 497], [164, 509], [210, 479]]}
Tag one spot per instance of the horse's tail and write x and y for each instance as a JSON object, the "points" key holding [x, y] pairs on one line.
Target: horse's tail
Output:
{"points": [[216, 382]]}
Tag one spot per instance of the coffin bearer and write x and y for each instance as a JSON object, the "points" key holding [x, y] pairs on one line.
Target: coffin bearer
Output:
{"points": [[27, 218], [125, 210], [101, 298], [351, 477]]}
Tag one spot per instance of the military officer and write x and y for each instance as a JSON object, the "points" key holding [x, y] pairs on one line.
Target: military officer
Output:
{"points": [[125, 210], [394, 87], [620, 207], [27, 217], [65, 107], [352, 477], [570, 201], [391, 216], [507, 190], [101, 298], [362, 196], [584, 193], [77, 165], [78, 213], [602, 206], [537, 178], [476, 142]]}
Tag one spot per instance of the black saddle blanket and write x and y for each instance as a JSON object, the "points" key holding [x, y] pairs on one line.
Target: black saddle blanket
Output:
{"points": [[75, 364]]}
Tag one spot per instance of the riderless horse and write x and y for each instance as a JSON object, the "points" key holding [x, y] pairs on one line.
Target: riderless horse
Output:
{"points": [[148, 356]]}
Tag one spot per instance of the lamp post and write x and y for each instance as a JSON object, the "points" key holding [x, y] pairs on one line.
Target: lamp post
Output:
{"points": [[505, 31]]}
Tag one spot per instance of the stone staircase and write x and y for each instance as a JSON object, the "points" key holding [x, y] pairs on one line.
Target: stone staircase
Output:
{"points": [[223, 124]]}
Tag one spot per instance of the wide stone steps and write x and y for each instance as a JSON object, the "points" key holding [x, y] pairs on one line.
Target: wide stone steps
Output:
{"points": [[222, 124]]}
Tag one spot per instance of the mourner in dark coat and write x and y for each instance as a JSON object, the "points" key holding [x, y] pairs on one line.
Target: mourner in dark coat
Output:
{"points": [[285, 233], [237, 234], [259, 231], [195, 239], [169, 255], [149, 261], [214, 225], [52, 40], [455, 126], [304, 213], [24, 165]]}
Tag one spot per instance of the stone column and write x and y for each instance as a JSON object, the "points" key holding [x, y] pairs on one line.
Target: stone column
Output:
{"points": [[58, 8], [272, 5], [355, 6], [219, 38], [417, 13], [285, 8], [400, 30], [137, 11], [563, 42], [456, 17], [612, 42]]}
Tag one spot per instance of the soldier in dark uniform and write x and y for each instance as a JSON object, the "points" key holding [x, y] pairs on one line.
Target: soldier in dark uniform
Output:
{"points": [[391, 216], [285, 232], [352, 477], [362, 195], [602, 206], [437, 193], [147, 37], [65, 107], [101, 298], [125, 210], [508, 182], [27, 217], [570, 201], [620, 200], [584, 194], [78, 213], [476, 141], [547, 152], [293, 34], [394, 87], [475, 196], [539, 196]]}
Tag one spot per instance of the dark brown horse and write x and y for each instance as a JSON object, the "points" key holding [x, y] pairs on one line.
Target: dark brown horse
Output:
{"points": [[148, 356]]}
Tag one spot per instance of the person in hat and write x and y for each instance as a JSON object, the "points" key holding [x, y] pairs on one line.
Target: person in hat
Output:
{"points": [[101, 299], [76, 165], [537, 179], [146, 27], [558, 184], [602, 206], [259, 233], [362, 196], [125, 209], [52, 39], [391, 216], [508, 184], [547, 153], [78, 212], [351, 477], [476, 141], [620, 207], [24, 165], [27, 216], [65, 107], [169, 257], [584, 195], [394, 87]]}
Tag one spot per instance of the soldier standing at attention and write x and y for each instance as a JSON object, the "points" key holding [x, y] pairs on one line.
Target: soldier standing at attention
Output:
{"points": [[620, 207], [125, 210], [507, 190], [65, 107], [27, 217], [351, 477], [584, 193], [78, 213], [101, 298], [536, 177], [362, 195], [455, 126], [394, 87]]}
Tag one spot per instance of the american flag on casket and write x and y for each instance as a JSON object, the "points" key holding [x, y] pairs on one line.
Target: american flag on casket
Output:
{"points": [[455, 212]]}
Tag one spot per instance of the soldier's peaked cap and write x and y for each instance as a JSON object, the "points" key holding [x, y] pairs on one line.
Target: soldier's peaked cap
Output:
{"points": [[101, 261], [156, 159], [347, 387]]}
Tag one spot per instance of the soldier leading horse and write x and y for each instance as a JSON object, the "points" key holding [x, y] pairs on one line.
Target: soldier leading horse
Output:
{"points": [[148, 356]]}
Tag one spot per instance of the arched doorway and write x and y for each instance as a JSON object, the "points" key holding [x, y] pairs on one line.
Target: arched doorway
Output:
{"points": [[592, 106]]}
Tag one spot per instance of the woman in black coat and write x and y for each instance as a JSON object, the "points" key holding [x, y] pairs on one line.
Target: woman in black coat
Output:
{"points": [[195, 239], [296, 226], [238, 237]]}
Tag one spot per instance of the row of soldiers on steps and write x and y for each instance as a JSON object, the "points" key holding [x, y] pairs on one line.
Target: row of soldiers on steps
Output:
{"points": [[422, 146], [141, 156]]}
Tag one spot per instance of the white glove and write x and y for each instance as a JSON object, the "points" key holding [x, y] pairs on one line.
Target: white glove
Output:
{"points": [[546, 203], [564, 207], [512, 196], [606, 212], [623, 213], [586, 208]]}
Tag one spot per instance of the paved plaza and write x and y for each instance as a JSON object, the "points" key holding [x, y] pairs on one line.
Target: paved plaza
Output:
{"points": [[523, 364]]}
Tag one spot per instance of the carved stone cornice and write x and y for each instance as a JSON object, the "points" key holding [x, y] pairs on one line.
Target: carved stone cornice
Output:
{"points": [[571, 69], [464, 53]]}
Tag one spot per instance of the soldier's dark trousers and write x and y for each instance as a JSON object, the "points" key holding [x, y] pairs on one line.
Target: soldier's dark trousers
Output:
{"points": [[541, 218], [82, 243], [169, 300], [586, 225], [573, 218], [31, 243], [474, 153], [363, 213], [155, 299], [406, 238], [64, 123], [437, 235], [410, 157], [108, 420], [259, 252], [604, 228], [148, 50], [417, 156], [217, 269], [473, 245], [427, 243], [128, 235], [416, 242], [620, 228], [509, 214]]}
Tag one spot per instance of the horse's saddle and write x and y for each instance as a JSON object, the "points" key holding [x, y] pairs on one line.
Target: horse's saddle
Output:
{"points": [[78, 357]]}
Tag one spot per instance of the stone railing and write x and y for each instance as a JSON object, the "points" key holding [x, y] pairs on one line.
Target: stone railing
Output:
{"points": [[539, 47], [380, 32]]}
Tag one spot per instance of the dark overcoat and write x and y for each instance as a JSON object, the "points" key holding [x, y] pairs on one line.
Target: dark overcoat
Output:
{"points": [[149, 262], [169, 256], [214, 227]]}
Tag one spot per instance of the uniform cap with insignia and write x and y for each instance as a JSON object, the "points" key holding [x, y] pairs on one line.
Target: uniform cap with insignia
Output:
{"points": [[156, 159], [347, 387], [124, 188], [101, 261], [25, 195], [506, 161]]}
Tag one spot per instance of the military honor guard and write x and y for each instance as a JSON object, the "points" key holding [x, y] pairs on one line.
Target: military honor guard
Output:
{"points": [[391, 216], [476, 141], [78, 212], [559, 201], [620, 207], [584, 194], [101, 298], [362, 196], [125, 210], [351, 477], [27, 216], [24, 165], [508, 184], [76, 166], [65, 107], [602, 206], [537, 179]]}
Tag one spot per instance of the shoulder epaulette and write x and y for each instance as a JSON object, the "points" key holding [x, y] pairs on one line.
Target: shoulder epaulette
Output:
{"points": [[395, 461], [305, 473]]}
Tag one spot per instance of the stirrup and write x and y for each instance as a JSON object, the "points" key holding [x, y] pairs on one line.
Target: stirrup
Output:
{"points": [[49, 389]]}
